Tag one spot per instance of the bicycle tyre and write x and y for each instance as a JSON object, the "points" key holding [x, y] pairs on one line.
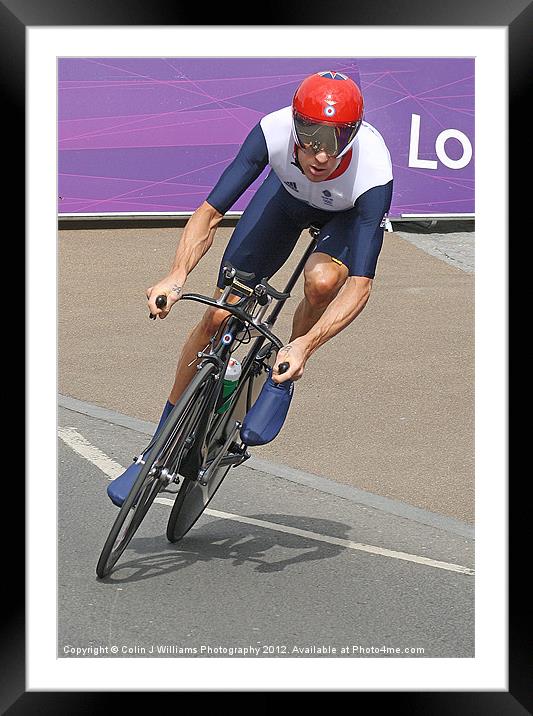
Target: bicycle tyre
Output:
{"points": [[145, 490]]}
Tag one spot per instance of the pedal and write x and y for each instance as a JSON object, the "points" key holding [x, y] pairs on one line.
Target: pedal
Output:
{"points": [[245, 456], [239, 450]]}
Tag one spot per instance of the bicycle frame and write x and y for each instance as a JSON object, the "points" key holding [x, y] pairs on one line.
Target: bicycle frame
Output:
{"points": [[220, 430]]}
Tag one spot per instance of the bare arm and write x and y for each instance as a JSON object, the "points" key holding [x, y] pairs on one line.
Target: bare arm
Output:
{"points": [[344, 308], [199, 232], [195, 241]]}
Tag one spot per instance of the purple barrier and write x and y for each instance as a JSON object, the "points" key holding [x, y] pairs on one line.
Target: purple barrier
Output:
{"points": [[153, 135]]}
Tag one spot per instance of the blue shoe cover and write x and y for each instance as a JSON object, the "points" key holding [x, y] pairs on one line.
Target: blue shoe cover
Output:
{"points": [[121, 486], [265, 418]]}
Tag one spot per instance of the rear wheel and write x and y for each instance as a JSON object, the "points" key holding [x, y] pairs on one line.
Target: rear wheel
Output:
{"points": [[194, 495], [191, 501], [161, 466]]}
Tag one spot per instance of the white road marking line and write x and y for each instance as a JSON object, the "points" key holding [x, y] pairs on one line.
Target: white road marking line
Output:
{"points": [[112, 469], [348, 544], [83, 447]]}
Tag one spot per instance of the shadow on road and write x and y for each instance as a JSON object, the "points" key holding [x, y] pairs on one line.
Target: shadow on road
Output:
{"points": [[233, 542]]}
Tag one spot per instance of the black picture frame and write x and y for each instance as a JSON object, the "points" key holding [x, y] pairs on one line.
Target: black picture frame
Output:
{"points": [[15, 17]]}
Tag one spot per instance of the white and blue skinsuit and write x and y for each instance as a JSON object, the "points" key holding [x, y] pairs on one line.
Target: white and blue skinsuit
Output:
{"points": [[349, 206]]}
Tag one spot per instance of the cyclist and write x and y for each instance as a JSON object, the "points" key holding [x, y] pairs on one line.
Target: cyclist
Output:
{"points": [[328, 168]]}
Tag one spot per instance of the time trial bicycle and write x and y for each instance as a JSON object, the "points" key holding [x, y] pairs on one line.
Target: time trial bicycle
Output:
{"points": [[199, 441]]}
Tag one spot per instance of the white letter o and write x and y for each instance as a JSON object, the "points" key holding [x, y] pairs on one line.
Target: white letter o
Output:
{"points": [[441, 153]]}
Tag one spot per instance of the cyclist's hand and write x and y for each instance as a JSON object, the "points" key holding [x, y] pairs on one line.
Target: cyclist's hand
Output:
{"points": [[296, 356], [166, 288]]}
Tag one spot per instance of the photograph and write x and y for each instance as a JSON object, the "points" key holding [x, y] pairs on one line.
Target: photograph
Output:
{"points": [[270, 319], [346, 189]]}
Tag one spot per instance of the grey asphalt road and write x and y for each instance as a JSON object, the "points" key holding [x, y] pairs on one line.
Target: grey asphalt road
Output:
{"points": [[387, 406], [247, 581]]}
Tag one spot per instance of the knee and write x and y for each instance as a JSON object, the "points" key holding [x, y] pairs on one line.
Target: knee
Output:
{"points": [[322, 285], [212, 320]]}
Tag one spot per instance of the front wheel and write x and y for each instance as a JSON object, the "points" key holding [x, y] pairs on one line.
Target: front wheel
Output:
{"points": [[162, 463], [128, 520]]}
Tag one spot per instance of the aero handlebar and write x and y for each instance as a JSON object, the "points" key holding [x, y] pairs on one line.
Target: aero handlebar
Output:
{"points": [[234, 309]]}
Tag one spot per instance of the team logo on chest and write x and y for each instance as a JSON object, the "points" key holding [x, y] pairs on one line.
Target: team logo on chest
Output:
{"points": [[327, 197]]}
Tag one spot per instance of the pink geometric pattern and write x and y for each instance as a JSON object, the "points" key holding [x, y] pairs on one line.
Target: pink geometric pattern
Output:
{"points": [[154, 134]]}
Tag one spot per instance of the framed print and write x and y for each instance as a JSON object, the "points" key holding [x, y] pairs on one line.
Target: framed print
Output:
{"points": [[44, 42]]}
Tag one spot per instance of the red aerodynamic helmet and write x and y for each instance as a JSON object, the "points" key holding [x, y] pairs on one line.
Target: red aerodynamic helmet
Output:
{"points": [[327, 111]]}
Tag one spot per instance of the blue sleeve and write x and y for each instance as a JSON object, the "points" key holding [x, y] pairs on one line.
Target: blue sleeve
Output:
{"points": [[243, 170], [367, 237]]}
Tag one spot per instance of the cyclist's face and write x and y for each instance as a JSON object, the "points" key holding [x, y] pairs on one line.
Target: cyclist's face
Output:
{"points": [[317, 167]]}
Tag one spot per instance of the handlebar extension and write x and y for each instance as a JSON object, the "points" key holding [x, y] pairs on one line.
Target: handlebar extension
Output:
{"points": [[262, 291]]}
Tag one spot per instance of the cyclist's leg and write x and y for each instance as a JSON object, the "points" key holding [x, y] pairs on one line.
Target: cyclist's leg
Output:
{"points": [[196, 342], [261, 242], [328, 268], [200, 336], [324, 278], [120, 488], [324, 275]]}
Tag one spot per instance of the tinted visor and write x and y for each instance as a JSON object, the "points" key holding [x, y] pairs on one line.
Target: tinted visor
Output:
{"points": [[330, 138]]}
